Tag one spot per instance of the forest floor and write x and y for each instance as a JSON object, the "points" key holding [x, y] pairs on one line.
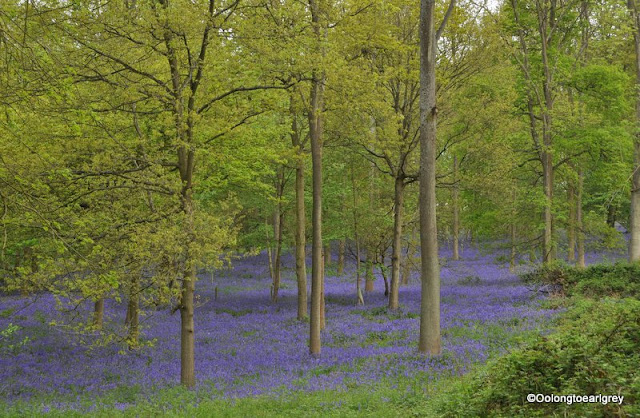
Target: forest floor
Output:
{"points": [[252, 354]]}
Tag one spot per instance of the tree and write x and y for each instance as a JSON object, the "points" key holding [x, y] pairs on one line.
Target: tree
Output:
{"points": [[634, 241], [430, 340], [316, 122]]}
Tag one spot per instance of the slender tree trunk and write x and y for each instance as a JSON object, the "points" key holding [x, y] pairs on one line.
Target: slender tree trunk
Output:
{"points": [[634, 229], [384, 274], [187, 327], [430, 340], [512, 258], [369, 278], [341, 249], [323, 321], [277, 271], [396, 255], [272, 272], [547, 156], [360, 298], [579, 221], [277, 234], [98, 313], [133, 313], [301, 219], [456, 210], [187, 333], [184, 126], [546, 104], [315, 133], [611, 215], [186, 163], [406, 268], [571, 227], [327, 255], [514, 202], [406, 273], [547, 239]]}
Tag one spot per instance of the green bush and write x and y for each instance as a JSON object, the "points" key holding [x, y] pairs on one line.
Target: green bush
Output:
{"points": [[596, 350], [600, 280]]}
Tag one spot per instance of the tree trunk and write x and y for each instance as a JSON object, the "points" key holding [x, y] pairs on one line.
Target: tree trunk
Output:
{"points": [[571, 226], [430, 340], [98, 313], [396, 257], [272, 273], [277, 234], [323, 321], [133, 313], [406, 268], [384, 275], [547, 156], [327, 255], [315, 133], [547, 239], [634, 228], [360, 299], [341, 249], [369, 278], [546, 104], [456, 209], [579, 222], [301, 219], [406, 271], [611, 215], [514, 202], [187, 326], [512, 258]]}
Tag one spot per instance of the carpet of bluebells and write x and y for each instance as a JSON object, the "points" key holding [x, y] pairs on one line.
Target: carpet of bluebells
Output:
{"points": [[247, 345]]}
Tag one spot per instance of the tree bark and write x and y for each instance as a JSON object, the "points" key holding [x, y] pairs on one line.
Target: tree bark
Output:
{"points": [[571, 226], [341, 249], [546, 105], [547, 155], [359, 297], [315, 133], [456, 210], [384, 274], [408, 259], [396, 255], [186, 163], [430, 340], [512, 258], [301, 219], [579, 222], [323, 321], [272, 271], [98, 313], [133, 313], [611, 215], [187, 327], [277, 234], [406, 267], [634, 228], [327, 255], [369, 277]]}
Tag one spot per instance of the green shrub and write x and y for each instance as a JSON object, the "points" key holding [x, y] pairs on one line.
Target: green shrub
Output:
{"points": [[596, 350], [600, 280]]}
